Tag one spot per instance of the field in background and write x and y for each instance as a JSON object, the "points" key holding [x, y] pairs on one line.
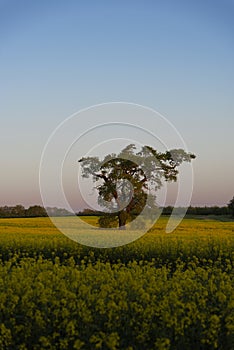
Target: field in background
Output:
{"points": [[35, 237], [163, 291]]}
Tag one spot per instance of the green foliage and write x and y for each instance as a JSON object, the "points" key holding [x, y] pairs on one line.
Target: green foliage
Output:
{"points": [[124, 180], [18, 211], [36, 211], [172, 291]]}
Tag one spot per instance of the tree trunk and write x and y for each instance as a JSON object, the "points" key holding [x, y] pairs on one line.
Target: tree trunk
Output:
{"points": [[122, 217]]}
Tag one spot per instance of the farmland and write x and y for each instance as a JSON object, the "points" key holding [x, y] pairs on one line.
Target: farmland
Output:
{"points": [[163, 291]]}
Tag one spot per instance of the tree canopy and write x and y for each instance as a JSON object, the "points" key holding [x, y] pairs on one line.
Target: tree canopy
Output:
{"points": [[128, 181]]}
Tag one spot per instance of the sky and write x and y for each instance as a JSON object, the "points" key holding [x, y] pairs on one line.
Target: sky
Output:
{"points": [[58, 57]]}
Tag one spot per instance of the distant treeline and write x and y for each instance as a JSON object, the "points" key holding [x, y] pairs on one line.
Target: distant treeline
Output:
{"points": [[214, 210], [18, 211]]}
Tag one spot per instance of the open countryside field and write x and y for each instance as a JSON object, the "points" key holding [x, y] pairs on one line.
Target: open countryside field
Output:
{"points": [[163, 291]]}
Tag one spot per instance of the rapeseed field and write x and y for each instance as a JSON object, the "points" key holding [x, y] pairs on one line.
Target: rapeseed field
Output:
{"points": [[163, 291]]}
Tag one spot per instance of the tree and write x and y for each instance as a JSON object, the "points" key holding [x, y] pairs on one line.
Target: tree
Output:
{"points": [[231, 206], [18, 211], [125, 180], [36, 211]]}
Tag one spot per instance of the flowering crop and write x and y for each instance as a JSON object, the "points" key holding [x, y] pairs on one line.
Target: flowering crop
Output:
{"points": [[164, 291]]}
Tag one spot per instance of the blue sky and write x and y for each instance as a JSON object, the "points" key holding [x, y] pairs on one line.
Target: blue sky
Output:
{"points": [[60, 56]]}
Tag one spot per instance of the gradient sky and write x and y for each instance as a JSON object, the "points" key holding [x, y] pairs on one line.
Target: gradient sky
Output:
{"points": [[171, 55]]}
